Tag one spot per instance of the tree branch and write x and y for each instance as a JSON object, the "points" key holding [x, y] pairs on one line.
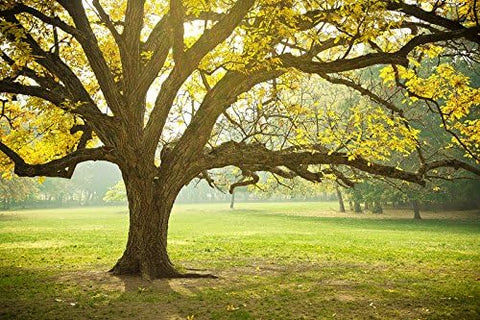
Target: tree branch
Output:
{"points": [[192, 57], [53, 21], [305, 63], [254, 178], [62, 168], [431, 17], [94, 55], [251, 155]]}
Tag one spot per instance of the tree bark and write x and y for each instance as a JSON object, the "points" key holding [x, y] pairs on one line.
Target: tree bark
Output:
{"points": [[416, 210], [150, 206], [340, 199]]}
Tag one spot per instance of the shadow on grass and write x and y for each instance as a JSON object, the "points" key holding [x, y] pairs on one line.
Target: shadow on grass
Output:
{"points": [[430, 225], [342, 291]]}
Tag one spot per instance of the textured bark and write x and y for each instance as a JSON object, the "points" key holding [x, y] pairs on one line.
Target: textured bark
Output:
{"points": [[146, 252], [416, 210]]}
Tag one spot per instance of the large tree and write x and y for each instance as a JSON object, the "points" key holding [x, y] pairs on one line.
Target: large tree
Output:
{"points": [[171, 90]]}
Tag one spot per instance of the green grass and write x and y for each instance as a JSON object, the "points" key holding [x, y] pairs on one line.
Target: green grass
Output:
{"points": [[274, 261]]}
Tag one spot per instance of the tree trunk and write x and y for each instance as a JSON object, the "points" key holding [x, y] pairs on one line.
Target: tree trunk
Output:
{"points": [[146, 253], [377, 208], [232, 199], [350, 205], [357, 207], [416, 210], [340, 199]]}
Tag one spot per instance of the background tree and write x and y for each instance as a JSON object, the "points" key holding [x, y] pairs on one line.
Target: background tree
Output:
{"points": [[156, 87], [16, 190]]}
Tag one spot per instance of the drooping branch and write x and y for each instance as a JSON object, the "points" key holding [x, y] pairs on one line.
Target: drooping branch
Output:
{"points": [[448, 163], [62, 168], [303, 172], [249, 178], [87, 134], [241, 154]]}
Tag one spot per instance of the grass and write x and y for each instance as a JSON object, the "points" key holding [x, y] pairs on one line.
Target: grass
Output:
{"points": [[274, 261]]}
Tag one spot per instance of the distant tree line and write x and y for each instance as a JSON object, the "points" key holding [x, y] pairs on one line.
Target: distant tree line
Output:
{"points": [[101, 184], [374, 196], [87, 187]]}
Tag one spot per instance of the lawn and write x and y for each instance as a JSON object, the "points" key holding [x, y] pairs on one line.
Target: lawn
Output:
{"points": [[273, 260]]}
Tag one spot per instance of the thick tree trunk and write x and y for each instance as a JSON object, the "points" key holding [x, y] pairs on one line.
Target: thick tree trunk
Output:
{"points": [[146, 254], [340, 199], [416, 210]]}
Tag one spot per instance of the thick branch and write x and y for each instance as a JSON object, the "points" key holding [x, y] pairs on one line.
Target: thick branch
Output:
{"points": [[246, 155], [177, 13], [207, 42], [216, 101], [159, 42], [63, 167], [33, 91]]}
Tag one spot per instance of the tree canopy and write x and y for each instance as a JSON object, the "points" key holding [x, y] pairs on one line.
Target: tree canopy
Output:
{"points": [[169, 90]]}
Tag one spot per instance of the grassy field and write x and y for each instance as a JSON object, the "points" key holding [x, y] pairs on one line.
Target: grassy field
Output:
{"points": [[274, 261]]}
